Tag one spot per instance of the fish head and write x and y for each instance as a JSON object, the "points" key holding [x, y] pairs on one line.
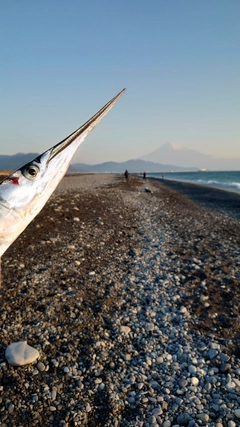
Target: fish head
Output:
{"points": [[24, 193]]}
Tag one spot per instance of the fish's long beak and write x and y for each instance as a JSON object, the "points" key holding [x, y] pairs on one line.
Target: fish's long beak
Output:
{"points": [[24, 193], [85, 129]]}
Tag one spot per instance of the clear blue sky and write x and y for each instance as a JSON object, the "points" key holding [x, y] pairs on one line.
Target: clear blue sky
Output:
{"points": [[63, 60]]}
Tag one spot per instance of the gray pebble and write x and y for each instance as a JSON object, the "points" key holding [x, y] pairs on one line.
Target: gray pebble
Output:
{"points": [[40, 366], [10, 408]]}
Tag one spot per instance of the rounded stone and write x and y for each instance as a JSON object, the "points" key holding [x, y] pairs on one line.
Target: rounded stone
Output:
{"points": [[203, 417], [40, 366], [10, 408], [54, 394], [237, 413], [225, 367], [230, 385], [151, 419], [192, 369], [194, 381], [183, 419], [157, 411], [20, 354], [125, 329]]}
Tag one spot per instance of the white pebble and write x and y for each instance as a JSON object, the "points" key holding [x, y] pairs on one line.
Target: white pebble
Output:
{"points": [[20, 353], [125, 329], [194, 381]]}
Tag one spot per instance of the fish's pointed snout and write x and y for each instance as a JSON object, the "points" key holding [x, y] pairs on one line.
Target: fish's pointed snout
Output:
{"points": [[24, 193], [81, 133]]}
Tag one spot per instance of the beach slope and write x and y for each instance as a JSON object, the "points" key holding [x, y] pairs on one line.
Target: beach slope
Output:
{"points": [[132, 300]]}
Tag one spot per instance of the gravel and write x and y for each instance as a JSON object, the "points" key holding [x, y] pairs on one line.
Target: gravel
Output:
{"points": [[133, 308]]}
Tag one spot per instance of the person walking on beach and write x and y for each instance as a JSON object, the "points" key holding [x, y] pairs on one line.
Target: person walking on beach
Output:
{"points": [[144, 175], [126, 174]]}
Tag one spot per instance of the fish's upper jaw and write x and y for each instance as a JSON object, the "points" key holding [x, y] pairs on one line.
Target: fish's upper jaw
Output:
{"points": [[25, 192], [82, 132]]}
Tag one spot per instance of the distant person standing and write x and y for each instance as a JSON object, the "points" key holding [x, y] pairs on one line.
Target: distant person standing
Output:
{"points": [[126, 174], [144, 175]]}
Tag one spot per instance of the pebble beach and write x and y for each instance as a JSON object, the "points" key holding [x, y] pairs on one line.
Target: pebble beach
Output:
{"points": [[131, 299]]}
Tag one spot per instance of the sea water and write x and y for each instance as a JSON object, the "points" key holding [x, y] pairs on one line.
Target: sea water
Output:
{"points": [[224, 180]]}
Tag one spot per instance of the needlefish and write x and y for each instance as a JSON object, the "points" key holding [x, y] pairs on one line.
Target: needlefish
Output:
{"points": [[24, 193]]}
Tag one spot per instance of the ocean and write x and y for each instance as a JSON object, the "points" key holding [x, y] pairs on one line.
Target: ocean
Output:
{"points": [[225, 180]]}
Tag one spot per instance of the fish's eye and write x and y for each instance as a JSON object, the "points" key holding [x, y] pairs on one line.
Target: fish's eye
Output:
{"points": [[31, 171]]}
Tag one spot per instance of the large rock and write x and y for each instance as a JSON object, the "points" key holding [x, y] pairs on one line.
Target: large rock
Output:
{"points": [[20, 353]]}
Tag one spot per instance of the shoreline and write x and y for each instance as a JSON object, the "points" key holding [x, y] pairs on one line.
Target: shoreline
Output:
{"points": [[219, 186], [216, 198], [132, 300]]}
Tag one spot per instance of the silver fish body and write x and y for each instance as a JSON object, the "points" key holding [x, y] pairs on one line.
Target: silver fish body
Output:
{"points": [[24, 193]]}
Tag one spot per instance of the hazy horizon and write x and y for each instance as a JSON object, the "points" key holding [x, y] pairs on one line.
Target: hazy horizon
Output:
{"points": [[166, 155], [179, 61]]}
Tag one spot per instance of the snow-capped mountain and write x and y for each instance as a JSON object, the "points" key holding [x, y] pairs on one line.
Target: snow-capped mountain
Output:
{"points": [[174, 154]]}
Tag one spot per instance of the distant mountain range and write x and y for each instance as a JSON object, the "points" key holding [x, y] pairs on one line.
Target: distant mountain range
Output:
{"points": [[16, 160], [169, 157], [130, 165]]}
